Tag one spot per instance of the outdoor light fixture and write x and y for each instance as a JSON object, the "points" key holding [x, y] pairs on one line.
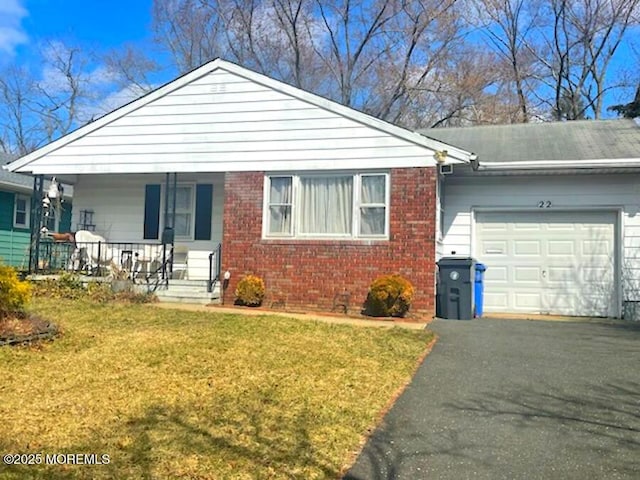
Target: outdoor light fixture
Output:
{"points": [[440, 155], [227, 275]]}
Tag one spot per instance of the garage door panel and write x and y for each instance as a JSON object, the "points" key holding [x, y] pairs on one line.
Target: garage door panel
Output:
{"points": [[561, 303], [496, 300], [549, 262], [561, 247], [494, 247], [494, 227], [527, 227], [561, 227], [497, 275], [596, 275], [526, 247], [596, 248], [527, 274], [562, 275], [531, 301]]}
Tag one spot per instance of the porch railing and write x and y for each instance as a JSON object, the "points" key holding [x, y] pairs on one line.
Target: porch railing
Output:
{"points": [[215, 265], [126, 259]]}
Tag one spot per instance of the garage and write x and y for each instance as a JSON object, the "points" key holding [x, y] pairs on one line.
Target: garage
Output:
{"points": [[549, 262]]}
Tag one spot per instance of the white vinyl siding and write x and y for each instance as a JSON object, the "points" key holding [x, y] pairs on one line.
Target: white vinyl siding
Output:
{"points": [[118, 205], [21, 211], [225, 122], [327, 206]]}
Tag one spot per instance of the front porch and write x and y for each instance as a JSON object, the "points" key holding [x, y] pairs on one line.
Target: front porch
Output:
{"points": [[161, 231], [148, 267]]}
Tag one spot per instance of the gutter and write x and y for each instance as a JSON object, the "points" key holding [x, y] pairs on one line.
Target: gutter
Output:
{"points": [[562, 164]]}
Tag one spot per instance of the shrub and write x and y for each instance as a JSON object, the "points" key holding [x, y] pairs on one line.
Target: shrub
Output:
{"points": [[14, 293], [100, 292], [66, 286], [250, 291], [389, 296], [70, 287]]}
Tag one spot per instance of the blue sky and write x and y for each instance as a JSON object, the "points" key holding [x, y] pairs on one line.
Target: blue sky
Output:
{"points": [[99, 24]]}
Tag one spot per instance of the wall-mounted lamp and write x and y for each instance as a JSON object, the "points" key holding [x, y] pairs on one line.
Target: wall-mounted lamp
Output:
{"points": [[225, 284]]}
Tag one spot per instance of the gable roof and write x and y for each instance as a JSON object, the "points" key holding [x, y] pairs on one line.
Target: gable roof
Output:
{"points": [[36, 161], [575, 144]]}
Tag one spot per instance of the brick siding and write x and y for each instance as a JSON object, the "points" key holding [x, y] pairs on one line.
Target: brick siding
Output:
{"points": [[308, 274]]}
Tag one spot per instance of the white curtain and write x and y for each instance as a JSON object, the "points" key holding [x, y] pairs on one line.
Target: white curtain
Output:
{"points": [[372, 201], [326, 205], [280, 197]]}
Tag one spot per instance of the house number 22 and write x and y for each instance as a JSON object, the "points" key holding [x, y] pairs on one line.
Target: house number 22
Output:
{"points": [[544, 204]]}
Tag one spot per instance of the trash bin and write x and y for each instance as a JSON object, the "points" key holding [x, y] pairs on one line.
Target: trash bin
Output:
{"points": [[479, 288], [455, 288]]}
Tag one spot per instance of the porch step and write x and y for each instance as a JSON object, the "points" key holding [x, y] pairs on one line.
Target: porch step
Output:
{"points": [[199, 285], [188, 291]]}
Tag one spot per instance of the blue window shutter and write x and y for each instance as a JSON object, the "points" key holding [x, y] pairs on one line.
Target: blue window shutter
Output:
{"points": [[204, 197], [151, 212]]}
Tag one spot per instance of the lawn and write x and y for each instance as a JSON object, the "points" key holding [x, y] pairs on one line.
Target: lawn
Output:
{"points": [[175, 394]]}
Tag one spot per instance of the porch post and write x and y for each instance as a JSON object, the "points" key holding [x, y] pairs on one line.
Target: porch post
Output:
{"points": [[173, 219], [173, 201], [35, 222], [166, 202]]}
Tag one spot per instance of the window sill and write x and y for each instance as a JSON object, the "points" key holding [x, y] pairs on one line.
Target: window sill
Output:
{"points": [[325, 241]]}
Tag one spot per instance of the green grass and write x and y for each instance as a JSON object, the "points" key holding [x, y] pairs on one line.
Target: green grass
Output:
{"points": [[175, 394]]}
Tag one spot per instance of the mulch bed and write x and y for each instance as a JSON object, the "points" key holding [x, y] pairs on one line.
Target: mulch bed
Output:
{"points": [[24, 328]]}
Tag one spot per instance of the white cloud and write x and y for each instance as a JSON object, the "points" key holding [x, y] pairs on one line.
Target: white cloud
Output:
{"points": [[11, 32]]}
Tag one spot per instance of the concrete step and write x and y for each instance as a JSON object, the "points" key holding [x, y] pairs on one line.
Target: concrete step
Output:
{"points": [[188, 283], [187, 296], [191, 300]]}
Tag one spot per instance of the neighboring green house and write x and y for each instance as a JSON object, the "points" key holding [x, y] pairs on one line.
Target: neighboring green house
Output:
{"points": [[15, 216]]}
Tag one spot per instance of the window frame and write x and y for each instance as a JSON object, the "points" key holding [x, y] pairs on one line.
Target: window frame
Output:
{"points": [[27, 211], [356, 206], [268, 204], [192, 223], [56, 220]]}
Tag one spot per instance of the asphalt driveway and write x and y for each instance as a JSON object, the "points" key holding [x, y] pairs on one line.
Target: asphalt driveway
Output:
{"points": [[516, 399]]}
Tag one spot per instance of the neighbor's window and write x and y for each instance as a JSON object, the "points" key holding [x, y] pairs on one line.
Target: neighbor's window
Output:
{"points": [[185, 210], [21, 211], [51, 220], [321, 206]]}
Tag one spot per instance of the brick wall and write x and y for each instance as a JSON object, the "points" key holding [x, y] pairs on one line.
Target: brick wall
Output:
{"points": [[308, 274]]}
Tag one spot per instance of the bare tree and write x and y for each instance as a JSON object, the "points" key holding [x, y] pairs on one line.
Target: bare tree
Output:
{"points": [[18, 129], [38, 108], [132, 68], [583, 37], [511, 26]]}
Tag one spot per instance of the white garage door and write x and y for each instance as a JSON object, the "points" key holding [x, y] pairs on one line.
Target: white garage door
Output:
{"points": [[548, 262]]}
